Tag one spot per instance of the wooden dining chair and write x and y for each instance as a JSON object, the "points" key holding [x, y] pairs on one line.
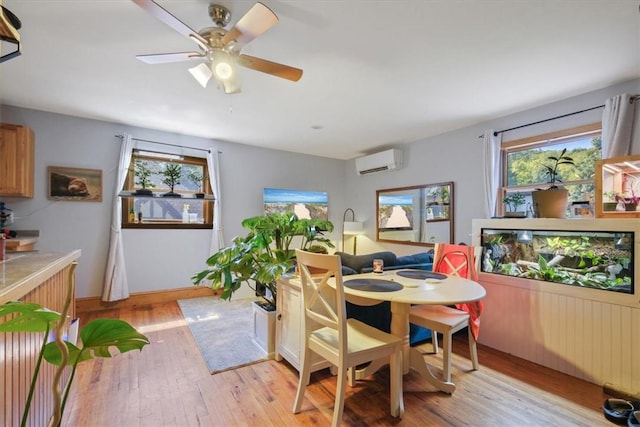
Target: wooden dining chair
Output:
{"points": [[343, 342], [456, 260]]}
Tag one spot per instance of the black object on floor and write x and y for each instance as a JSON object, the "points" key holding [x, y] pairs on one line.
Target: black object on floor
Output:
{"points": [[619, 410]]}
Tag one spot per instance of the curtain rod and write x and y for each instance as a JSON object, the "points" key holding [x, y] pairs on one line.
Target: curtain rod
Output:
{"points": [[170, 145], [633, 98]]}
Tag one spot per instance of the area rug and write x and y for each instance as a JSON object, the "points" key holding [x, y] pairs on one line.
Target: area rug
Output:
{"points": [[222, 330]]}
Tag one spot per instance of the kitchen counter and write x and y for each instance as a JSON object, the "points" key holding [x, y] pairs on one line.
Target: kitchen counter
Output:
{"points": [[22, 272]]}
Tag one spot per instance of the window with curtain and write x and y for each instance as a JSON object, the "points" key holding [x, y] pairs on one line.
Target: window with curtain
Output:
{"points": [[523, 162], [184, 207]]}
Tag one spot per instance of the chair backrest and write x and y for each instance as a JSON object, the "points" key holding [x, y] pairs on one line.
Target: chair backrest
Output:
{"points": [[458, 260], [324, 305]]}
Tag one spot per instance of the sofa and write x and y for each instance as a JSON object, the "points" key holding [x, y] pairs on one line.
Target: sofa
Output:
{"points": [[379, 315]]}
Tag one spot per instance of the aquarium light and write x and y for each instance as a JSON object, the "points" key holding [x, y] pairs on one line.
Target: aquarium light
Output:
{"points": [[525, 236]]}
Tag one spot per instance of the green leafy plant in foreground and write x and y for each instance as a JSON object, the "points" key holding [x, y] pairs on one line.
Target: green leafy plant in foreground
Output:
{"points": [[97, 337]]}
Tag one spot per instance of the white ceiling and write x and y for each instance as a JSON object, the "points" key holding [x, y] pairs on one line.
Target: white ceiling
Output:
{"points": [[376, 73]]}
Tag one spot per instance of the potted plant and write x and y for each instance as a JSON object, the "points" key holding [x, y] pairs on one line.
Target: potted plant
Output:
{"points": [[512, 202], [552, 202], [612, 202], [262, 257], [97, 338], [625, 203], [142, 171], [196, 177], [171, 173]]}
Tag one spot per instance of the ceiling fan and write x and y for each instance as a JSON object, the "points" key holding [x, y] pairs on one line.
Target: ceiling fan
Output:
{"points": [[220, 48]]}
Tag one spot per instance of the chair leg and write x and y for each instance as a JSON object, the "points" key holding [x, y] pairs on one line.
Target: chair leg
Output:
{"points": [[338, 407], [473, 351], [396, 399], [434, 341], [446, 356], [305, 375]]}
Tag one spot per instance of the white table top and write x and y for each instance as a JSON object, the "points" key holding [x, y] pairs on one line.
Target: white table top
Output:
{"points": [[451, 290]]}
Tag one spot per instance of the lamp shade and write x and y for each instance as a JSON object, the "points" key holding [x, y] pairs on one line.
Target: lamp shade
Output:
{"points": [[353, 227]]}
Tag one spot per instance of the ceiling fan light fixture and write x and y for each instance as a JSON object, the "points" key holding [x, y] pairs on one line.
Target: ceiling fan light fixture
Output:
{"points": [[202, 73], [223, 65]]}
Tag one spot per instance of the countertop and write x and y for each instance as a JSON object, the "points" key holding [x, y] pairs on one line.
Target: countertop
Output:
{"points": [[21, 272]]}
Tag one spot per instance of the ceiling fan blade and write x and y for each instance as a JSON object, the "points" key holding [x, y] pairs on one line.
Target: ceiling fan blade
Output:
{"points": [[162, 58], [273, 68], [163, 15], [255, 22]]}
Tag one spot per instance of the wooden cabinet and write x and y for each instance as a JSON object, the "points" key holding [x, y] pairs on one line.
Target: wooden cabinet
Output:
{"points": [[289, 327], [16, 160]]}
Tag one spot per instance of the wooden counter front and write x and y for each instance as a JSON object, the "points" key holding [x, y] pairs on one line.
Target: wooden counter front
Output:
{"points": [[40, 277]]}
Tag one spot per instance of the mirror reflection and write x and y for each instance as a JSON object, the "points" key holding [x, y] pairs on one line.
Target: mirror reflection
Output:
{"points": [[618, 187], [416, 215]]}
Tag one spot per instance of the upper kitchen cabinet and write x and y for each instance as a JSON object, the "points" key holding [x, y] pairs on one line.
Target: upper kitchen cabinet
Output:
{"points": [[16, 160]]}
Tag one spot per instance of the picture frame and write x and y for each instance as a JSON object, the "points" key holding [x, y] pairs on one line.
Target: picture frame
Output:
{"points": [[74, 184], [306, 204], [581, 210]]}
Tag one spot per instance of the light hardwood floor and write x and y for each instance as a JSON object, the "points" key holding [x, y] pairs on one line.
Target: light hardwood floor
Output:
{"points": [[168, 384]]}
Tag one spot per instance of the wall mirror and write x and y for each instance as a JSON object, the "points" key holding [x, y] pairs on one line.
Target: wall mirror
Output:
{"points": [[417, 215], [618, 187]]}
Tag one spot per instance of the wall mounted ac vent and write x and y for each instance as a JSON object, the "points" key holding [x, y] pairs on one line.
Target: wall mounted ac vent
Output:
{"points": [[378, 162]]}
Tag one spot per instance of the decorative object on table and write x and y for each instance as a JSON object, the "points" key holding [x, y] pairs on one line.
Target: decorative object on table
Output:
{"points": [[74, 184], [512, 202], [552, 202], [305, 204], [351, 228], [609, 204], [222, 331], [378, 265], [171, 173], [142, 170], [617, 186]]}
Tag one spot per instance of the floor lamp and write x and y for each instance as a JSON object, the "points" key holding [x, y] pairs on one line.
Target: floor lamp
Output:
{"points": [[351, 228]]}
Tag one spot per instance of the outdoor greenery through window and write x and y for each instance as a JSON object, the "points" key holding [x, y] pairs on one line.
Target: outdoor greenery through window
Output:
{"points": [[524, 163], [166, 191]]}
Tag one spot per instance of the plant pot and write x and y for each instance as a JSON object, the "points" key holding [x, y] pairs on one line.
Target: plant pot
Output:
{"points": [[199, 195], [518, 214], [143, 192], [630, 207], [551, 203], [264, 329], [171, 194], [609, 206]]}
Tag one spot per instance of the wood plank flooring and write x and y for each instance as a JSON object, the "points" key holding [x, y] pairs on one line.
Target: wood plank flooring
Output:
{"points": [[168, 384]]}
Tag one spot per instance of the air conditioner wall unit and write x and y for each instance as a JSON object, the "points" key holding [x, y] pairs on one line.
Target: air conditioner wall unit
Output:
{"points": [[378, 162]]}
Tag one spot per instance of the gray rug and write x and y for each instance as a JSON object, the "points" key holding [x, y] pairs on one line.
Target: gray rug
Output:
{"points": [[222, 330]]}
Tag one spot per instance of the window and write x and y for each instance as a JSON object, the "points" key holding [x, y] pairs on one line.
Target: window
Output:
{"points": [[174, 184], [523, 163]]}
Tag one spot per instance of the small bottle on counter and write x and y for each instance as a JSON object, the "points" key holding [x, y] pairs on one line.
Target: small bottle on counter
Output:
{"points": [[132, 215], [139, 217]]}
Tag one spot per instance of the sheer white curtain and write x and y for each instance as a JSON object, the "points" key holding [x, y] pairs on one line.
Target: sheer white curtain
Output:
{"points": [[115, 285], [491, 157], [617, 125], [213, 165]]}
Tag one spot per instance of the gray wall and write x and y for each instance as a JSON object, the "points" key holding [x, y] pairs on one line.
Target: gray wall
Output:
{"points": [[457, 156], [165, 259], [155, 259]]}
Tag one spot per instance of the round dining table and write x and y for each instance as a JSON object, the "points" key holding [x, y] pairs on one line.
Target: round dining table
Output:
{"points": [[404, 288]]}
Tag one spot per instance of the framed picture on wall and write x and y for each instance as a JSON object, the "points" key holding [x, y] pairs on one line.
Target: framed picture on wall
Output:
{"points": [[74, 184], [306, 204]]}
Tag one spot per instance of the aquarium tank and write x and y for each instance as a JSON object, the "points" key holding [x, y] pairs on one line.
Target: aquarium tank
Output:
{"points": [[599, 260]]}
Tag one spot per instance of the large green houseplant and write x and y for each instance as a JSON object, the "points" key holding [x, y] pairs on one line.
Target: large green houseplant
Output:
{"points": [[261, 257]]}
